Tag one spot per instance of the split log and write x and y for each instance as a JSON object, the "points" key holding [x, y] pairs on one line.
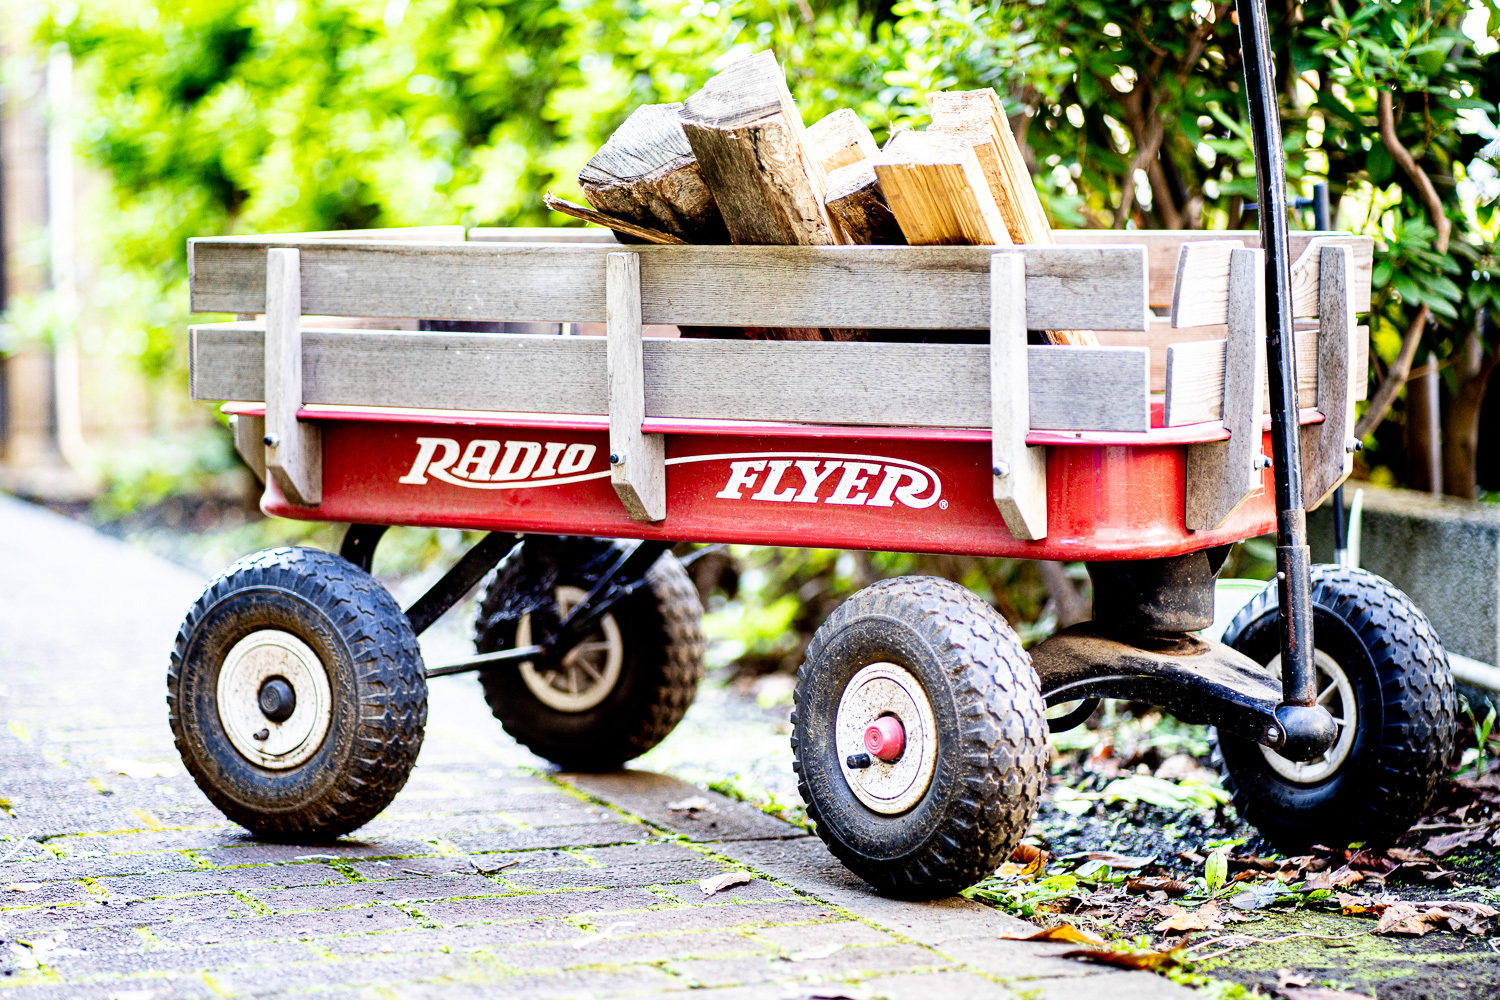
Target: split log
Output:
{"points": [[646, 174], [978, 118], [748, 137], [856, 204], [838, 140], [937, 192]]}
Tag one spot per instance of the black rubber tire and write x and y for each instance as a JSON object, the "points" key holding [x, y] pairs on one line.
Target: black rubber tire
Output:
{"points": [[991, 733], [1403, 690], [661, 627], [376, 679]]}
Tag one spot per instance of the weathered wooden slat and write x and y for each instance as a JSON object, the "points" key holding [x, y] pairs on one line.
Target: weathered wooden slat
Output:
{"points": [[249, 441], [542, 234], [1222, 475], [1164, 245], [1306, 294], [1200, 293], [1195, 374], [1078, 288], [637, 462], [1327, 458], [868, 384], [294, 450], [1018, 472]]}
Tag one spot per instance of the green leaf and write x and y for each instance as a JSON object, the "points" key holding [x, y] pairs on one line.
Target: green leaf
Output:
{"points": [[1216, 869]]}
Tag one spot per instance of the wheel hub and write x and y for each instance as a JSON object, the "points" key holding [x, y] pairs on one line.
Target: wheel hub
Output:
{"points": [[586, 674], [1335, 693], [884, 713], [274, 699]]}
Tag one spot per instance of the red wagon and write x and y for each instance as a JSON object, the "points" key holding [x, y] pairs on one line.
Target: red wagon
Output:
{"points": [[297, 692]]}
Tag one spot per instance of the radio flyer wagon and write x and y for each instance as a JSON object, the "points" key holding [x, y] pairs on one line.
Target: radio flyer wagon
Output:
{"points": [[298, 694]]}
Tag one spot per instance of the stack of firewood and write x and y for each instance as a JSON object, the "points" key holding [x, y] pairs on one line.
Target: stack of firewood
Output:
{"points": [[734, 164]]}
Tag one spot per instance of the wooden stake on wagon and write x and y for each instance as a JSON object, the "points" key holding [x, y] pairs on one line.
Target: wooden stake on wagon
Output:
{"points": [[840, 139], [937, 192], [646, 174], [978, 118]]}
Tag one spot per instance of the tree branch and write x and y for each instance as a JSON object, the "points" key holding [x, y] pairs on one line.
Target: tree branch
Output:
{"points": [[1399, 153], [1385, 395]]}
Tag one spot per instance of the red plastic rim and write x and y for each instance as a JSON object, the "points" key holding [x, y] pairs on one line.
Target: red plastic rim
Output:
{"points": [[885, 738]]}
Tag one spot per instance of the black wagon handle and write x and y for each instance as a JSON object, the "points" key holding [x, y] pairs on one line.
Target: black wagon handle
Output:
{"points": [[1309, 728]]}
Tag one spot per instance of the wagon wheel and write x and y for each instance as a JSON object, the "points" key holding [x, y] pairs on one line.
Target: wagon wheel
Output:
{"points": [[919, 736], [1383, 676], [297, 694], [619, 691]]}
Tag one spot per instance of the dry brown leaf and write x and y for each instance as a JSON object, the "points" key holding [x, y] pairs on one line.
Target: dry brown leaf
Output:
{"points": [[1149, 961], [1025, 854], [1373, 861], [719, 883], [1404, 919], [1353, 905], [1170, 886], [1287, 977], [1205, 918], [1058, 932], [1124, 862], [1342, 878], [1450, 842]]}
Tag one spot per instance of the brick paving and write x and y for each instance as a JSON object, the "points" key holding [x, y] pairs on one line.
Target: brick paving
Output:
{"points": [[490, 875]]}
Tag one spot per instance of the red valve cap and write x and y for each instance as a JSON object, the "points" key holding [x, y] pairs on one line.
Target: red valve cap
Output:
{"points": [[885, 738]]}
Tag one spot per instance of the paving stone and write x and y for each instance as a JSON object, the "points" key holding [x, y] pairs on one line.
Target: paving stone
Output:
{"points": [[108, 866], [325, 897], [620, 948], [651, 796], [487, 937], [23, 895], [642, 854], [528, 907], [926, 985], [749, 892], [730, 971], [595, 835], [745, 916], [1017, 959], [288, 927], [616, 875], [553, 986], [138, 913], [844, 933], [241, 879], [249, 852], [1114, 985]]}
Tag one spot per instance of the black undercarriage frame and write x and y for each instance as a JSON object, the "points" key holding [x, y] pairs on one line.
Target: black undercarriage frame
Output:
{"points": [[1140, 645]]}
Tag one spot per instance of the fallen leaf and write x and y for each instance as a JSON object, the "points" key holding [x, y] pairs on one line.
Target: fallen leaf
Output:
{"points": [[140, 768], [1170, 886], [1150, 961], [1352, 905], [24, 886], [1204, 918], [1450, 842], [1058, 932], [1342, 878], [1286, 977], [1025, 854], [1403, 919], [1373, 861], [813, 954], [693, 804], [719, 883], [1124, 862], [1255, 897]]}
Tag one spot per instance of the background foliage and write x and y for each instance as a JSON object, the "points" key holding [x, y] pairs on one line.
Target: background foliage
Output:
{"points": [[225, 116]]}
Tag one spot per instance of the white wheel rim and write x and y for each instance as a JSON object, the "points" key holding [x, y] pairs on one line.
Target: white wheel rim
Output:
{"points": [[1336, 694], [587, 673], [886, 689], [255, 659]]}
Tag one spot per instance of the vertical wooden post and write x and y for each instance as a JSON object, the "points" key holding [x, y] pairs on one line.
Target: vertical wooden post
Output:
{"points": [[250, 442], [1019, 472], [1221, 475], [637, 462], [1328, 448], [294, 449]]}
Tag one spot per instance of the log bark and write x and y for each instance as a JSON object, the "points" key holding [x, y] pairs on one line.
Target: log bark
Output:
{"points": [[856, 204], [647, 175], [747, 135]]}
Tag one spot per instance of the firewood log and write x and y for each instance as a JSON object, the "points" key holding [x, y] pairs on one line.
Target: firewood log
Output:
{"points": [[646, 174], [840, 139], [978, 118], [855, 202], [937, 191]]}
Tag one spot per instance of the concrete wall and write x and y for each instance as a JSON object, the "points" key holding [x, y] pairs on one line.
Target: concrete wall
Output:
{"points": [[1443, 552]]}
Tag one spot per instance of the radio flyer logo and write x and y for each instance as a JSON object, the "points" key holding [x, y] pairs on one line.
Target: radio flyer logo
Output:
{"points": [[765, 477]]}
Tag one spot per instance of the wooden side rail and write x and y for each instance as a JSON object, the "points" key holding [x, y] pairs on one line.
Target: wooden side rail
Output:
{"points": [[857, 384], [932, 288], [1164, 248]]}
